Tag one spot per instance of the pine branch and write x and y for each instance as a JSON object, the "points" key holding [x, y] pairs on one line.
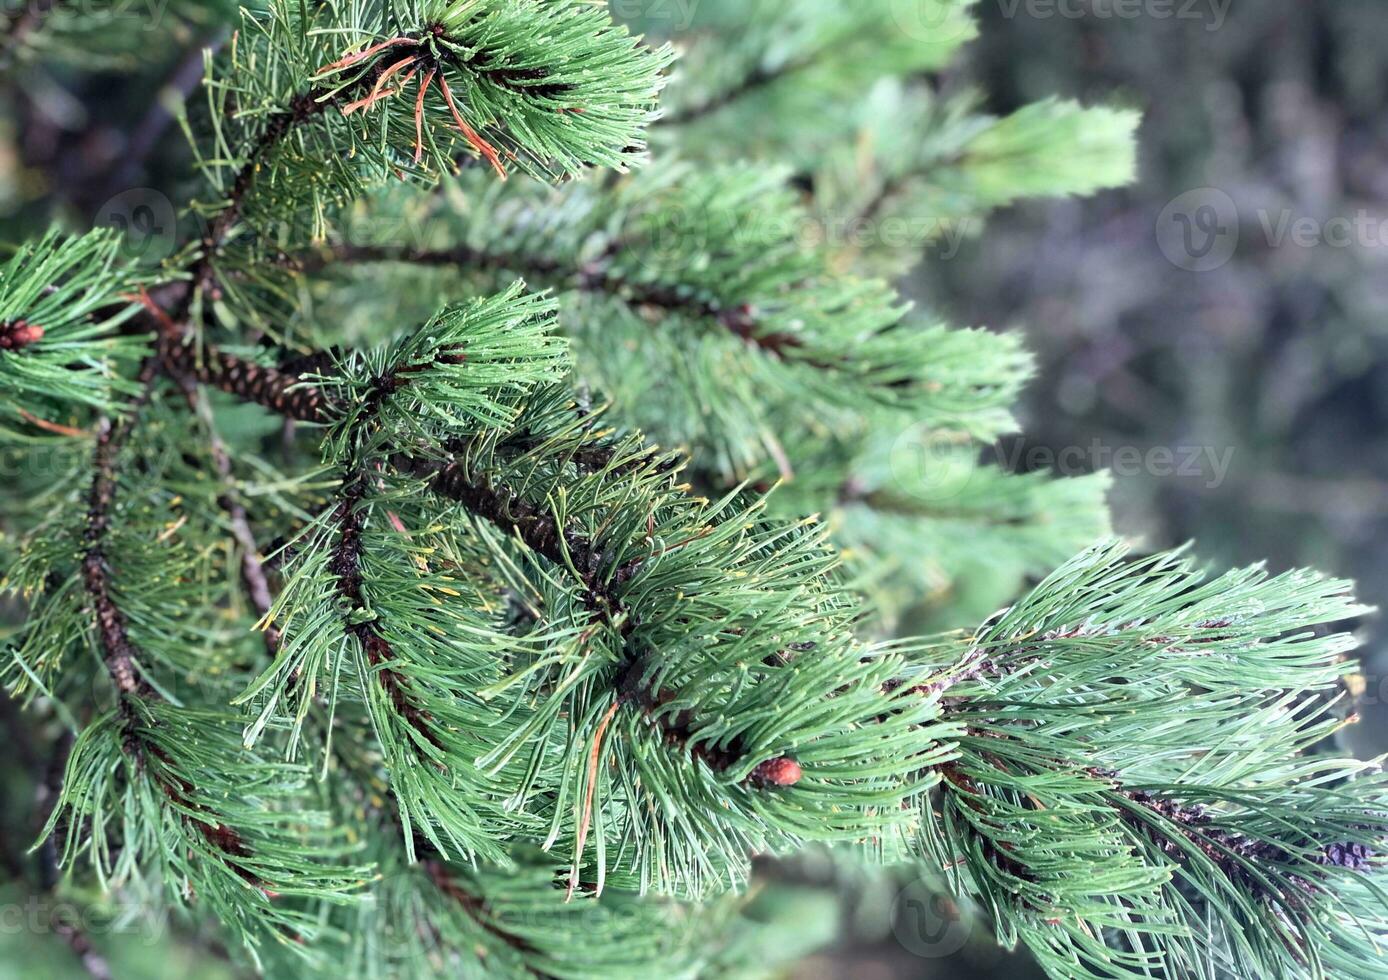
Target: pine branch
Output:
{"points": [[760, 77], [1209, 838], [603, 595], [663, 708], [549, 87], [512, 620], [141, 729], [121, 654], [62, 302], [795, 55], [509, 513], [301, 109], [253, 575]]}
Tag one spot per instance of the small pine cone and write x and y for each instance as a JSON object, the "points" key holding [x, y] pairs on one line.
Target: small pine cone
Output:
{"points": [[782, 771], [18, 334]]}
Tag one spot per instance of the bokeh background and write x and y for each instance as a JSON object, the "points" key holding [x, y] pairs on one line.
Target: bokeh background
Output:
{"points": [[1217, 334]]}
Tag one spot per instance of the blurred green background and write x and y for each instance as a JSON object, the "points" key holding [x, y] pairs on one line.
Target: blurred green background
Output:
{"points": [[1229, 312]]}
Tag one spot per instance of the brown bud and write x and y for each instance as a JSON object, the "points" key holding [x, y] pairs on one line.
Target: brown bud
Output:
{"points": [[782, 771], [18, 334]]}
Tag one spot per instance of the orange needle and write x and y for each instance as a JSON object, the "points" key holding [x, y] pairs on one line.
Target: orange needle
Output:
{"points": [[483, 147]]}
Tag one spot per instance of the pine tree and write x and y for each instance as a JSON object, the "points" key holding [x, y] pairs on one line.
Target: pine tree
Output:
{"points": [[429, 584]]}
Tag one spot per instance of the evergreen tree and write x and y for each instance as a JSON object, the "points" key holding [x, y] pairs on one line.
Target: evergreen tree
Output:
{"points": [[399, 649]]}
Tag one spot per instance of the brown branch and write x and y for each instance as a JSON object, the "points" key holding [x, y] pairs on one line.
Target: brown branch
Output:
{"points": [[314, 103], [301, 108], [281, 392], [537, 529], [118, 651], [678, 729], [346, 565], [603, 595], [739, 318], [1228, 849]]}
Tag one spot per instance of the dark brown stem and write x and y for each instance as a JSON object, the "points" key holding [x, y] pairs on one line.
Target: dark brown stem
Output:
{"points": [[739, 319], [269, 387], [346, 565], [118, 651], [1228, 849], [1232, 852], [540, 532], [603, 595], [678, 729], [302, 108]]}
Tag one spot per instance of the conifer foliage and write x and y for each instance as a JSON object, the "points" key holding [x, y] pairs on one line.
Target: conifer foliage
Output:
{"points": [[436, 586]]}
